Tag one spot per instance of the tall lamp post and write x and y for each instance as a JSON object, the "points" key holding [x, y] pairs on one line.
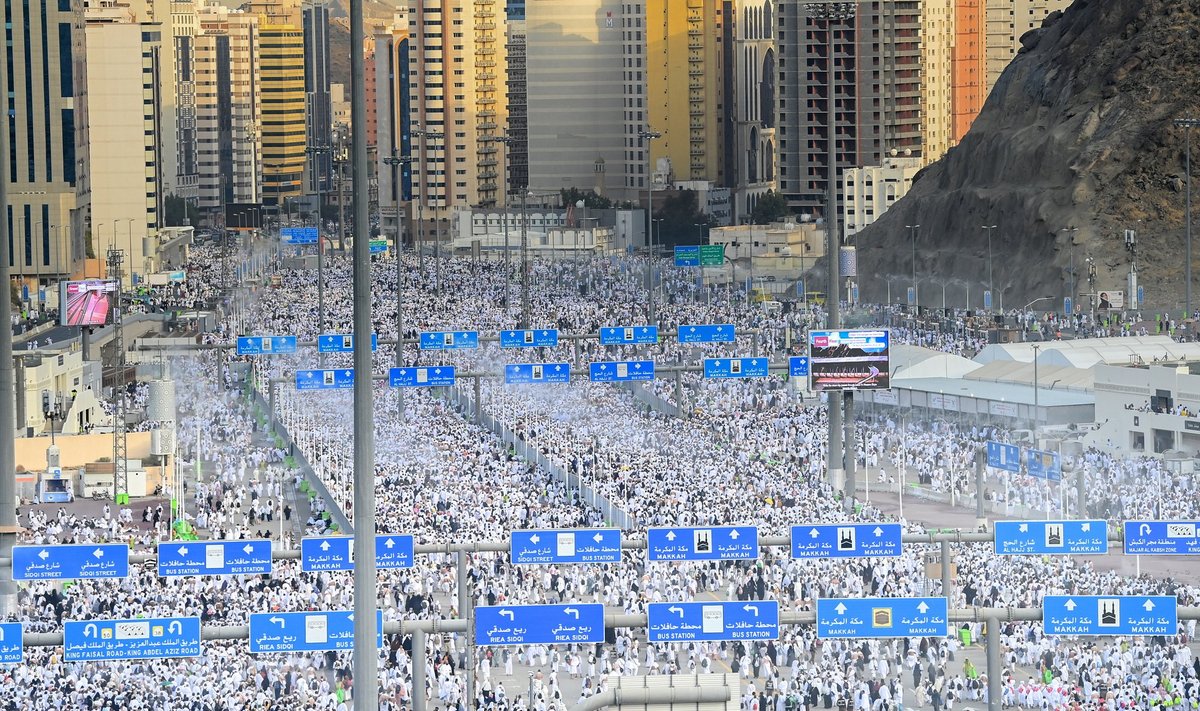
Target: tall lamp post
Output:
{"points": [[988, 229], [438, 204], [912, 234], [317, 151], [506, 140], [828, 13], [392, 161], [1035, 391], [525, 195], [646, 135], [1072, 231], [1188, 123]]}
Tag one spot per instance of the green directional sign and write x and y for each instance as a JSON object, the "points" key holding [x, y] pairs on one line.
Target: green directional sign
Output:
{"points": [[712, 255]]}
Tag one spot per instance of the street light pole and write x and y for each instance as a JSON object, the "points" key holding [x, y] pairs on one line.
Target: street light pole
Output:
{"points": [[646, 135], [318, 151], [1035, 391], [912, 233], [506, 140], [988, 229], [525, 194], [393, 161], [1187, 270]]}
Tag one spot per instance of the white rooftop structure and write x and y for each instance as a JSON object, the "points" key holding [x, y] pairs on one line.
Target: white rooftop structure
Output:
{"points": [[1087, 352]]}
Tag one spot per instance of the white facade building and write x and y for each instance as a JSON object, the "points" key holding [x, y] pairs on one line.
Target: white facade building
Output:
{"points": [[869, 191]]}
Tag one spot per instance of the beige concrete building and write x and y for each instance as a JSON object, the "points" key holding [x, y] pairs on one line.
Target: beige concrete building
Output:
{"points": [[122, 73], [228, 108], [937, 50], [869, 191], [47, 160], [457, 88], [1006, 21]]}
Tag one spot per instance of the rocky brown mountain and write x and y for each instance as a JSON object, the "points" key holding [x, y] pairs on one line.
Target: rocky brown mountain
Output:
{"points": [[1078, 132]]}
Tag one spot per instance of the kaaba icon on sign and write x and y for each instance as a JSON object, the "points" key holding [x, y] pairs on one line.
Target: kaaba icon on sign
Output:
{"points": [[702, 540], [1054, 535], [845, 539], [881, 617], [1110, 613]]}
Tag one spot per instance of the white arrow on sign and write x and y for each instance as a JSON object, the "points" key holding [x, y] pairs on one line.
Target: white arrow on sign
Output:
{"points": [[183, 550], [509, 614], [597, 538], [751, 608], [1, 634], [841, 608], [98, 553], [176, 627], [1149, 605], [248, 549], [90, 630], [878, 531], [389, 543], [534, 539], [1070, 605], [923, 608], [1023, 528], [670, 535], [282, 622], [1144, 529], [1085, 527], [324, 545], [814, 533], [734, 534], [571, 611], [43, 554], [676, 610]]}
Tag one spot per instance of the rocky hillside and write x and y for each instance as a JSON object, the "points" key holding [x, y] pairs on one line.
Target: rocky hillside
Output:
{"points": [[1078, 132]]}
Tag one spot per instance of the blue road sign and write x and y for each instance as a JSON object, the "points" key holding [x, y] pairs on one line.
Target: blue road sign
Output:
{"points": [[798, 366], [987, 299], [341, 342], [1004, 456], [800, 292], [1067, 305], [449, 340], [628, 335], [621, 371], [298, 235], [1141, 296], [392, 550], [707, 333], [265, 345], [539, 624], [234, 557], [329, 379], [712, 621], [537, 373], [580, 545], [530, 338], [712, 543], [327, 630], [1051, 537], [72, 562], [912, 296], [687, 255], [11, 649], [1099, 615], [1162, 538], [736, 367], [1043, 465], [438, 376], [149, 638], [846, 540], [856, 618]]}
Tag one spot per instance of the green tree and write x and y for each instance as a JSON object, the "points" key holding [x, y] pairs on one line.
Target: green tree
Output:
{"points": [[680, 214], [771, 207], [591, 200], [179, 212]]}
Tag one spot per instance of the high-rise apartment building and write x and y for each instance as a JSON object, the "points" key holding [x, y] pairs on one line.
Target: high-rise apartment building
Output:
{"points": [[180, 167], [750, 102], [318, 107], [937, 78], [123, 71], [1006, 21], [228, 108], [583, 93], [457, 88], [47, 139], [391, 111], [684, 87], [969, 66], [516, 163], [283, 127]]}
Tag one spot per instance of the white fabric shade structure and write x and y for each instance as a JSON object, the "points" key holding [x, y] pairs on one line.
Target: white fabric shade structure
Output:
{"points": [[911, 362], [1085, 353]]}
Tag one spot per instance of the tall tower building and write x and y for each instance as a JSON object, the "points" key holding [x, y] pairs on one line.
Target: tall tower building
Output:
{"points": [[751, 167], [181, 169], [283, 127], [123, 71], [584, 94], [684, 83], [47, 141], [457, 89], [228, 108], [391, 112], [517, 163], [937, 77], [318, 102]]}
